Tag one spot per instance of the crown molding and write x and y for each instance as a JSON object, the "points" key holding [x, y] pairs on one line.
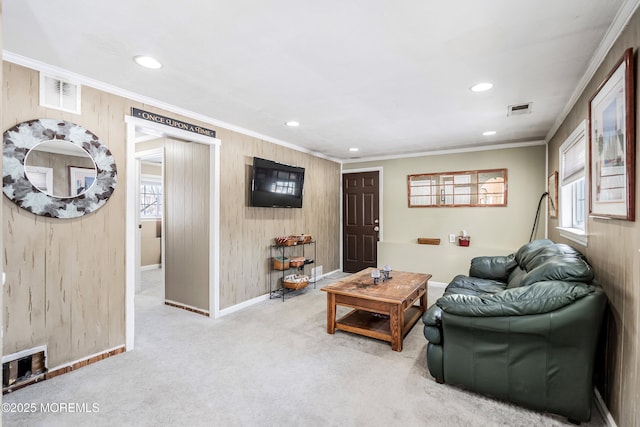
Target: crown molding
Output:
{"points": [[96, 84], [619, 23], [448, 151]]}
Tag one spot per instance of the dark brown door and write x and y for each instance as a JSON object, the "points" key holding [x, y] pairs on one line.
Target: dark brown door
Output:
{"points": [[360, 219]]}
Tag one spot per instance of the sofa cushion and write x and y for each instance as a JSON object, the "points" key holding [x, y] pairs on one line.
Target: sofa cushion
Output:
{"points": [[545, 260], [568, 268], [493, 267], [515, 278], [466, 285], [540, 297], [532, 253]]}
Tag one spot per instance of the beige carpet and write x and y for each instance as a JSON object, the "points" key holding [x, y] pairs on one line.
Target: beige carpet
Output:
{"points": [[272, 364]]}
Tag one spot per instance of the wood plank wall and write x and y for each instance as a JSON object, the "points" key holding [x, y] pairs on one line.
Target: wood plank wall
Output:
{"points": [[187, 223], [613, 251], [1, 210], [247, 232], [66, 278]]}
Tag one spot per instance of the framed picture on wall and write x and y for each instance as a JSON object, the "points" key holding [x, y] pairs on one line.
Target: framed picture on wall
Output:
{"points": [[612, 144], [80, 179], [553, 195]]}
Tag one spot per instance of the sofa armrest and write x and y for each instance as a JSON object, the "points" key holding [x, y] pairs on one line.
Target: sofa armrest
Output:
{"points": [[493, 267], [543, 361], [540, 297], [432, 319]]}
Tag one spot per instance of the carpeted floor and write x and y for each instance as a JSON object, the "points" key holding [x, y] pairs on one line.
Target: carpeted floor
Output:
{"points": [[272, 364]]}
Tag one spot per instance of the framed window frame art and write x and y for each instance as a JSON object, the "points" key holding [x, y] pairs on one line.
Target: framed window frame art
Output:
{"points": [[80, 180], [612, 144], [553, 194]]}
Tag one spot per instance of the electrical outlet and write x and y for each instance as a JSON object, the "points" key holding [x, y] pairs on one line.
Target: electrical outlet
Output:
{"points": [[452, 238]]}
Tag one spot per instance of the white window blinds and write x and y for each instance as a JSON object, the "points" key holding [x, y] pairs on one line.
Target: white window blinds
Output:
{"points": [[573, 162]]}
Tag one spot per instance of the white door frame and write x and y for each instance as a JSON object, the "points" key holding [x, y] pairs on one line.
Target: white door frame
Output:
{"points": [[132, 214]]}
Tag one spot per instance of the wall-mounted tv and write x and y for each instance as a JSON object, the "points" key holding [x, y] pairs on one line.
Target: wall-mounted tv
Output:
{"points": [[276, 185]]}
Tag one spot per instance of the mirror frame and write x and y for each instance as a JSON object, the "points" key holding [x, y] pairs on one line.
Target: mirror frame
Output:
{"points": [[18, 140], [436, 190]]}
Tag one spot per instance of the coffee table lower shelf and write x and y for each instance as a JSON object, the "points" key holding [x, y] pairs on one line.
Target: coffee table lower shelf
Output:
{"points": [[369, 324]]}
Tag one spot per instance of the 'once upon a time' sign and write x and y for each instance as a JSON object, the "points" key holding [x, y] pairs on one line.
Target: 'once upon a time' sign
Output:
{"points": [[168, 121]]}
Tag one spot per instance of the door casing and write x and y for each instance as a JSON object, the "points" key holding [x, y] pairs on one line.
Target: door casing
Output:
{"points": [[132, 250]]}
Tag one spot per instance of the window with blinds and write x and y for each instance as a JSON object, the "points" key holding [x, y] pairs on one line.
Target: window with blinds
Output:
{"points": [[572, 187]]}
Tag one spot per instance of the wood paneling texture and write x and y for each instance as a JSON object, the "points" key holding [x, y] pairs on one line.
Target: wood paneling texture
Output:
{"points": [[65, 278], [1, 210], [613, 252], [150, 242], [247, 232], [187, 223]]}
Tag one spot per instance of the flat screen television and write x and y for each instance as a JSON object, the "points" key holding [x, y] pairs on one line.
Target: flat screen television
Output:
{"points": [[276, 185]]}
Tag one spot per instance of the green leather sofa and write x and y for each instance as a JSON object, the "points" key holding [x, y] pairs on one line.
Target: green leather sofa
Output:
{"points": [[521, 328]]}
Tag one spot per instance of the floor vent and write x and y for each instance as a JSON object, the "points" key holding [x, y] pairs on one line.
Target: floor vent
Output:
{"points": [[519, 109], [23, 368], [59, 94]]}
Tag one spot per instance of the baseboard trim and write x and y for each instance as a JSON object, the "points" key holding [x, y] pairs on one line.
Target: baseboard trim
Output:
{"points": [[256, 300], [80, 363], [328, 274], [186, 307], [243, 305], [439, 285], [602, 408]]}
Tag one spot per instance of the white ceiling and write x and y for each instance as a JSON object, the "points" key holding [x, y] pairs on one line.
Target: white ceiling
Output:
{"points": [[388, 77]]}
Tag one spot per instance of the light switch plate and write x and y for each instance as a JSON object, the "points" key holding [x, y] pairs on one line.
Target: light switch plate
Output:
{"points": [[452, 238]]}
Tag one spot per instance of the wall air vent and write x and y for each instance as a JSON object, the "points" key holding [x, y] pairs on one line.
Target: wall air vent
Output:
{"points": [[23, 368], [59, 94], [519, 109]]}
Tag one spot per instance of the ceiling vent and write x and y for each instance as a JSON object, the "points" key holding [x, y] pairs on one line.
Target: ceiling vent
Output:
{"points": [[519, 109], [59, 94]]}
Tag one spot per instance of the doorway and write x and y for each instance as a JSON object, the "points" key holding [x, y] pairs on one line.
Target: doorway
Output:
{"points": [[361, 220], [150, 166], [207, 150]]}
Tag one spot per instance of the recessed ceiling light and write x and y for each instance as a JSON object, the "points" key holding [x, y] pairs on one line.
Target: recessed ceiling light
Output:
{"points": [[489, 133], [292, 123], [481, 87], [354, 149], [147, 62]]}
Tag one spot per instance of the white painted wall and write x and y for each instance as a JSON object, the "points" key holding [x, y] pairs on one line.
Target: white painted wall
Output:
{"points": [[493, 230]]}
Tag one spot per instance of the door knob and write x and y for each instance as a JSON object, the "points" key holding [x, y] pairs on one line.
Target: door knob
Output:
{"points": [[376, 228]]}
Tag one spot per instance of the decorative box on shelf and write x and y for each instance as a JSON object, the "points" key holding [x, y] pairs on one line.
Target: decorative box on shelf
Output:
{"points": [[297, 261], [304, 238], [281, 263], [286, 241], [292, 240], [295, 281]]}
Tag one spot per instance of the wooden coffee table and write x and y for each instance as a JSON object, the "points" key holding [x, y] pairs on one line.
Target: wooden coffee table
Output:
{"points": [[385, 311]]}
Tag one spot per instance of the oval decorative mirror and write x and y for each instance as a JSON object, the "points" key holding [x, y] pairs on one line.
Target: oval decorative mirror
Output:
{"points": [[56, 168]]}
